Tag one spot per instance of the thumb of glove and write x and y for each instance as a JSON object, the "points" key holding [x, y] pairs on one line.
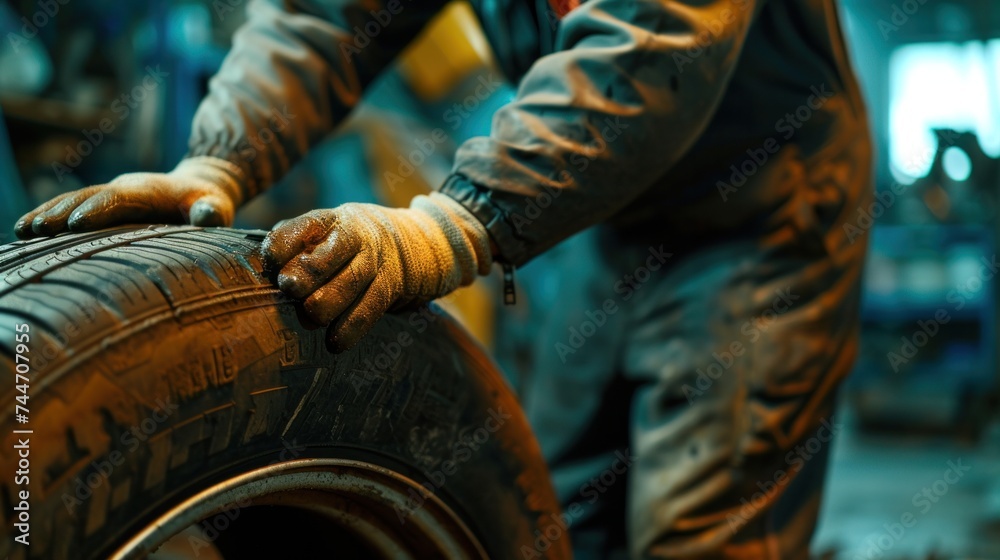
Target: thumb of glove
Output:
{"points": [[212, 210]]}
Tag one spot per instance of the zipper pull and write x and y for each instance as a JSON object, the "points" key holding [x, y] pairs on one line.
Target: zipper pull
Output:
{"points": [[509, 296]]}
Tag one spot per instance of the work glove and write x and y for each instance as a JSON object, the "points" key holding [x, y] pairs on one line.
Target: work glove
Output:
{"points": [[353, 263], [202, 191]]}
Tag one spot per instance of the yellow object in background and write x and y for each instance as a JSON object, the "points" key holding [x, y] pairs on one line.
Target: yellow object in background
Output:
{"points": [[451, 47]]}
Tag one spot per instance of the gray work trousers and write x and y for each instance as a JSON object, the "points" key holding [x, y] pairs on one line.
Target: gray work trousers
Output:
{"points": [[684, 396]]}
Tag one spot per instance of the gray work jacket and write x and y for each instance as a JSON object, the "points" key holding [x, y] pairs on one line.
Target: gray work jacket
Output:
{"points": [[699, 120]]}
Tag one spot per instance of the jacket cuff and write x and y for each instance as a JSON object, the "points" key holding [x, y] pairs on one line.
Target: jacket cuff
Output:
{"points": [[220, 172], [250, 183], [478, 201]]}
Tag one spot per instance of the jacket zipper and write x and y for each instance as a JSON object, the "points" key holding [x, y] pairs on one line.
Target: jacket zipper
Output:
{"points": [[509, 296]]}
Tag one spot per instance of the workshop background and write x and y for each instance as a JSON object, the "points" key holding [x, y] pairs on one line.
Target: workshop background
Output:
{"points": [[923, 397]]}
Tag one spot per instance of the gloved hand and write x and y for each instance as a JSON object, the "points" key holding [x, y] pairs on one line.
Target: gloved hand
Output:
{"points": [[203, 191], [353, 263]]}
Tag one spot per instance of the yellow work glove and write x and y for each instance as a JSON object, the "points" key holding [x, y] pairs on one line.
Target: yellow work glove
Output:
{"points": [[203, 191], [353, 263]]}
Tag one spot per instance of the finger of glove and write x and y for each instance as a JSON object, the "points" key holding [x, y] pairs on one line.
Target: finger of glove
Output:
{"points": [[313, 267], [124, 206], [50, 218], [344, 333], [294, 236], [330, 300], [212, 211]]}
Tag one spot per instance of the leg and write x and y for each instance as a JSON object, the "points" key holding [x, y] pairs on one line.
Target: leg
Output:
{"points": [[575, 402], [738, 351]]}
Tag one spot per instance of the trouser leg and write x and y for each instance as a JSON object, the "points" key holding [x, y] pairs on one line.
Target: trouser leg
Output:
{"points": [[712, 380], [576, 403], [738, 352]]}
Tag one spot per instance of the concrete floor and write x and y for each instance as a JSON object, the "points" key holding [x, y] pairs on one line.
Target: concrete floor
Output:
{"points": [[872, 486]]}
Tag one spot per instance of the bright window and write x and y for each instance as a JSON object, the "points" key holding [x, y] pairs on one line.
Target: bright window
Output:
{"points": [[941, 85]]}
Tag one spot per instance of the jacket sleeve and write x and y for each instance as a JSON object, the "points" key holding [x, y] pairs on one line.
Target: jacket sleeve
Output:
{"points": [[630, 86], [296, 69]]}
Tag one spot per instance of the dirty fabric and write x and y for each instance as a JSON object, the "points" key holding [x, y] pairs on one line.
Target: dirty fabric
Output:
{"points": [[730, 132], [684, 396], [694, 116]]}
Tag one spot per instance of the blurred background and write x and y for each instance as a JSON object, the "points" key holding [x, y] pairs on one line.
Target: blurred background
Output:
{"points": [[925, 389]]}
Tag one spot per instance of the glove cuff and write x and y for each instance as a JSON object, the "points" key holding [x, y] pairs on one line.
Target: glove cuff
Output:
{"points": [[468, 237], [227, 175]]}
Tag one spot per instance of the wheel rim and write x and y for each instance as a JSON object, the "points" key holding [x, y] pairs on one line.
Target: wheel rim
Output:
{"points": [[390, 514]]}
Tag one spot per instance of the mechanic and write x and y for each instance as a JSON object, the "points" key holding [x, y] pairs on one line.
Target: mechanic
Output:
{"points": [[726, 136]]}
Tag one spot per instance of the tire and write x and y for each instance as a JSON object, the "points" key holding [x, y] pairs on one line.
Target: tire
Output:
{"points": [[173, 389]]}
